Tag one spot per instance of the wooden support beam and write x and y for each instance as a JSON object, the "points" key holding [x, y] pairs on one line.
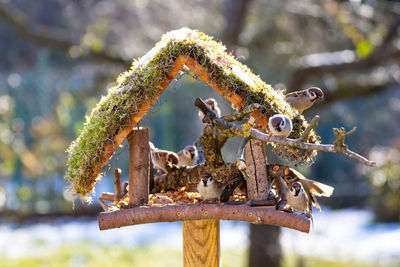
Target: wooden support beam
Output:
{"points": [[184, 212], [256, 169], [201, 243], [139, 164]]}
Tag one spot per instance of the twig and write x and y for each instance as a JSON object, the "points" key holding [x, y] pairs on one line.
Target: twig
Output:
{"points": [[246, 131], [107, 196], [239, 115], [319, 147], [312, 125], [103, 204], [242, 146], [117, 185]]}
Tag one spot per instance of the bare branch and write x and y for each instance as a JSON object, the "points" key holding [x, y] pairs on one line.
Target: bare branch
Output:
{"points": [[239, 115], [242, 146], [107, 196], [235, 12], [312, 125], [319, 147], [117, 184], [246, 131], [103, 204]]}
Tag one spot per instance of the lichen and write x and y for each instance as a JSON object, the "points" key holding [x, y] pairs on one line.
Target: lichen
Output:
{"points": [[146, 80]]}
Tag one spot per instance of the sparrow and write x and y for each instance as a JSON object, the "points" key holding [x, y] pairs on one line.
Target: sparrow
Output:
{"points": [[302, 100], [302, 192], [187, 156], [208, 188], [280, 125], [213, 105], [297, 198], [161, 158]]}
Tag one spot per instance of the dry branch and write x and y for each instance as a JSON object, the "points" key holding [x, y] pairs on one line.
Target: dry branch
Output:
{"points": [[246, 131], [239, 115], [184, 212], [103, 204], [312, 125], [107, 196], [117, 184]]}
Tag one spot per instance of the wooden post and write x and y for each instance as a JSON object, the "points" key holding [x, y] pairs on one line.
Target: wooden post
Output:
{"points": [[139, 159], [117, 185], [267, 252], [256, 168], [151, 178], [201, 243]]}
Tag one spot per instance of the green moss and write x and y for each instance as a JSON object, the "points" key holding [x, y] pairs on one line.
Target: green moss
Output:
{"points": [[142, 83]]}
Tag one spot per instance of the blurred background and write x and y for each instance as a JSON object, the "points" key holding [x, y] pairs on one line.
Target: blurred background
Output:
{"points": [[58, 57]]}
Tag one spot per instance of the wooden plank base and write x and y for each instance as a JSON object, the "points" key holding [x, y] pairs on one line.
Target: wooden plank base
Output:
{"points": [[185, 212], [201, 243]]}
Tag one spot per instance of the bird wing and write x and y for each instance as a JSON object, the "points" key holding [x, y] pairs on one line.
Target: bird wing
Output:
{"points": [[319, 189], [295, 94], [312, 189], [292, 94], [314, 202]]}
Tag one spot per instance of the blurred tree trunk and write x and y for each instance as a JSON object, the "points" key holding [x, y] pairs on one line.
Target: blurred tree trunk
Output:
{"points": [[265, 249], [235, 12]]}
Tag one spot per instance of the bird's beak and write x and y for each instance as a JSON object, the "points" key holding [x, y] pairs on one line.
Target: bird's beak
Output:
{"points": [[297, 190]]}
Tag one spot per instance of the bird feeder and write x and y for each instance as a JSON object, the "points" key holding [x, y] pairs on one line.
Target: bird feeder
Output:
{"points": [[117, 114]]}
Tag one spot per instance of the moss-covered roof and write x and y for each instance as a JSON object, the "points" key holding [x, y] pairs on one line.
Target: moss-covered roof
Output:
{"points": [[125, 104]]}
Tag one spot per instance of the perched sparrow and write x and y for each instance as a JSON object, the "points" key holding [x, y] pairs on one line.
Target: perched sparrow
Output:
{"points": [[160, 158], [280, 125], [187, 156], [302, 100], [208, 187], [212, 103], [303, 192], [297, 198]]}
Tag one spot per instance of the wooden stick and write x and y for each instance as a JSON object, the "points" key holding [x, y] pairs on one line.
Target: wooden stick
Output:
{"points": [[201, 243], [184, 212], [256, 169], [108, 196], [319, 147], [313, 123], [246, 131], [103, 204], [117, 185], [139, 160]]}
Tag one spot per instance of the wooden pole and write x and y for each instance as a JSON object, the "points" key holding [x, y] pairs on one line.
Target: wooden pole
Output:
{"points": [[139, 159], [117, 185], [201, 243], [256, 168]]}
